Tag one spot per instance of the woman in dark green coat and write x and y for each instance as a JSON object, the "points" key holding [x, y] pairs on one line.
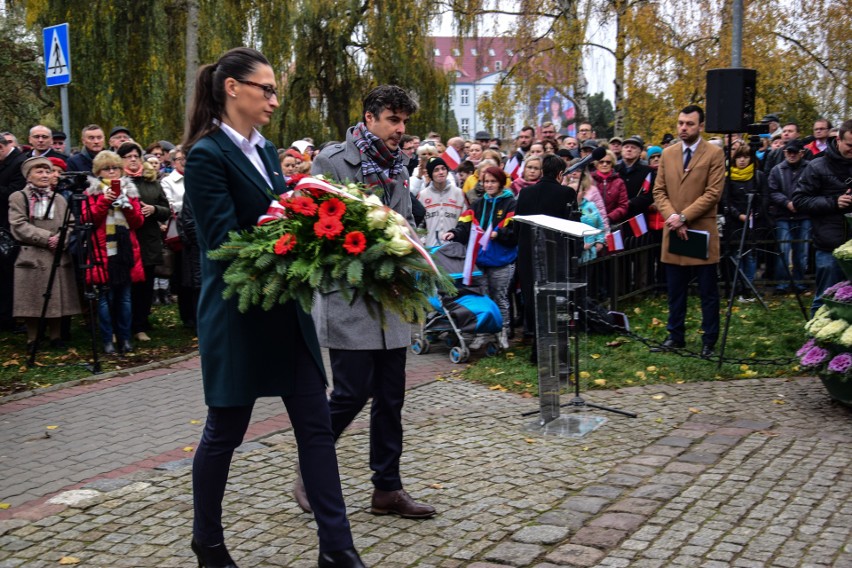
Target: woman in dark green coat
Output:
{"points": [[231, 172]]}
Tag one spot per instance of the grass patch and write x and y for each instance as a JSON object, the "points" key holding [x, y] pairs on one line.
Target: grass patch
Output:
{"points": [[616, 361], [168, 339]]}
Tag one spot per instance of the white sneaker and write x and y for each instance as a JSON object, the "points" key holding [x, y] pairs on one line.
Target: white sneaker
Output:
{"points": [[478, 341], [744, 300], [142, 336], [504, 338]]}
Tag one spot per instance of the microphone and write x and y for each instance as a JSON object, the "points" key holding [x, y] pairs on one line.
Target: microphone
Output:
{"points": [[596, 155]]}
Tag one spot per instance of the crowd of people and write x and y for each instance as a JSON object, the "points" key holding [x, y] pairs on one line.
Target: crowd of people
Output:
{"points": [[143, 209], [452, 185]]}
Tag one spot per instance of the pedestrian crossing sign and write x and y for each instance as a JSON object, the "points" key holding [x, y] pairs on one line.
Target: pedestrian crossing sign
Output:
{"points": [[57, 55]]}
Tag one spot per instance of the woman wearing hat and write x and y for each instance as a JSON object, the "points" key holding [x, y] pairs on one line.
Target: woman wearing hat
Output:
{"points": [[155, 208], [115, 261], [35, 217]]}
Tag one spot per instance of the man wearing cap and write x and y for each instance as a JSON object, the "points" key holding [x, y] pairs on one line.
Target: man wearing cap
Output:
{"points": [[483, 137], [634, 172], [687, 191], [615, 145], [93, 142], [41, 139], [443, 201], [772, 121], [792, 228], [824, 192], [11, 180], [118, 136], [58, 143]]}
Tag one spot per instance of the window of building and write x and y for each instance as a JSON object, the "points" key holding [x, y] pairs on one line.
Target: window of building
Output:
{"points": [[485, 69], [498, 65], [456, 52], [491, 52], [474, 51], [437, 52], [509, 52], [464, 97], [465, 126], [458, 74]]}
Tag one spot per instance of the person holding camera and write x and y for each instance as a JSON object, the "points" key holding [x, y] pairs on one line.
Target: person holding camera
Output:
{"points": [[113, 208], [825, 193], [35, 218]]}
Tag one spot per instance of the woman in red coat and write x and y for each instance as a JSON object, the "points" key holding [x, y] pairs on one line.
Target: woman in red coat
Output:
{"points": [[115, 257], [612, 188]]}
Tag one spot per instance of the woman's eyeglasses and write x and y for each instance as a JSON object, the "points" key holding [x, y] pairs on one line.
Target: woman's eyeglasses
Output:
{"points": [[268, 90], [605, 162], [110, 168]]}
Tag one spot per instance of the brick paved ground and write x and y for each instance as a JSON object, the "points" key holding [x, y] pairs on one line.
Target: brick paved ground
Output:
{"points": [[710, 474]]}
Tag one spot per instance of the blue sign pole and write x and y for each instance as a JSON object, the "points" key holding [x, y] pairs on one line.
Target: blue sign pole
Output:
{"points": [[57, 69]]}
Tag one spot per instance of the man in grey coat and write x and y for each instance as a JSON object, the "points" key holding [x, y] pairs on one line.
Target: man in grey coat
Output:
{"points": [[366, 359]]}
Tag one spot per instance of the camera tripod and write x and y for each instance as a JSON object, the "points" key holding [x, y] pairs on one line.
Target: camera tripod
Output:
{"points": [[84, 232]]}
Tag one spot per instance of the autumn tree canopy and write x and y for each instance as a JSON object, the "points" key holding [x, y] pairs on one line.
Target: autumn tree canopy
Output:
{"points": [[131, 60]]}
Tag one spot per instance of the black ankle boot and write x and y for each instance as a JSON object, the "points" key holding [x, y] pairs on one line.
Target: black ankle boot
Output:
{"points": [[340, 559], [212, 556]]}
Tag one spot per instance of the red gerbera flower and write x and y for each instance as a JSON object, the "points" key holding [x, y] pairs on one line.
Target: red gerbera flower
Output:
{"points": [[332, 208], [302, 205], [328, 227], [285, 244], [355, 242]]}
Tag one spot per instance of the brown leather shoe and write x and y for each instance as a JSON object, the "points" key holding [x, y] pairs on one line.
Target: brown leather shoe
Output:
{"points": [[400, 503], [300, 494]]}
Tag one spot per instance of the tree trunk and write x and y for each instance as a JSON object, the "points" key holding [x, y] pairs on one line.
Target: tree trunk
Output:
{"points": [[618, 102], [191, 56]]}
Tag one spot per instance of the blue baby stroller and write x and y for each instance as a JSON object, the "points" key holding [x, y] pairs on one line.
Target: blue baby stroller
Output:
{"points": [[458, 320]]}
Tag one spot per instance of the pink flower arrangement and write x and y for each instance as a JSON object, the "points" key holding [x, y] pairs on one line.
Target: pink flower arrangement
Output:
{"points": [[815, 356], [843, 294], [840, 363], [805, 348]]}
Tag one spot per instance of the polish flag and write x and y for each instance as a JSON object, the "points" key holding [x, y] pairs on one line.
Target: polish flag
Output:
{"points": [[614, 242], [638, 225], [486, 238], [451, 156], [646, 185], [472, 252], [512, 167]]}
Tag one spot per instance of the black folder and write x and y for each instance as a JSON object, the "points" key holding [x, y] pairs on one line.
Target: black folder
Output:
{"points": [[697, 244]]}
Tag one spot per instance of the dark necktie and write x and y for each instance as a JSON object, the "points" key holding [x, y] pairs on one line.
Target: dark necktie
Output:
{"points": [[686, 157]]}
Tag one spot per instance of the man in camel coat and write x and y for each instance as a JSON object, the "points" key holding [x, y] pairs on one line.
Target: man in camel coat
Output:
{"points": [[689, 185]]}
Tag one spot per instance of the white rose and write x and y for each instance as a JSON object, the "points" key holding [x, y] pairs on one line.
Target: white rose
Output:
{"points": [[377, 217]]}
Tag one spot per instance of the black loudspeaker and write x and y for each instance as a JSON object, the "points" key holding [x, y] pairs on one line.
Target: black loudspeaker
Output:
{"points": [[730, 99]]}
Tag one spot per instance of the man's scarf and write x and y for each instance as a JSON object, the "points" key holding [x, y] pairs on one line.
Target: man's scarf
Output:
{"points": [[378, 164]]}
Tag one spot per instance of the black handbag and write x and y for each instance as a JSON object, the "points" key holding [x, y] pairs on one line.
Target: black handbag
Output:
{"points": [[9, 247]]}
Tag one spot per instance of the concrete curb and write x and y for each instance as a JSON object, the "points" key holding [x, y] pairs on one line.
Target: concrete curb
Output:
{"points": [[97, 378]]}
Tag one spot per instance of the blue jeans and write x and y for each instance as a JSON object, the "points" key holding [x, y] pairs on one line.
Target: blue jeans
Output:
{"points": [[114, 301], [828, 273], [788, 230]]}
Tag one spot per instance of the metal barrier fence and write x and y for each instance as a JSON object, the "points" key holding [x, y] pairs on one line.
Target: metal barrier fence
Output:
{"points": [[637, 271]]}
